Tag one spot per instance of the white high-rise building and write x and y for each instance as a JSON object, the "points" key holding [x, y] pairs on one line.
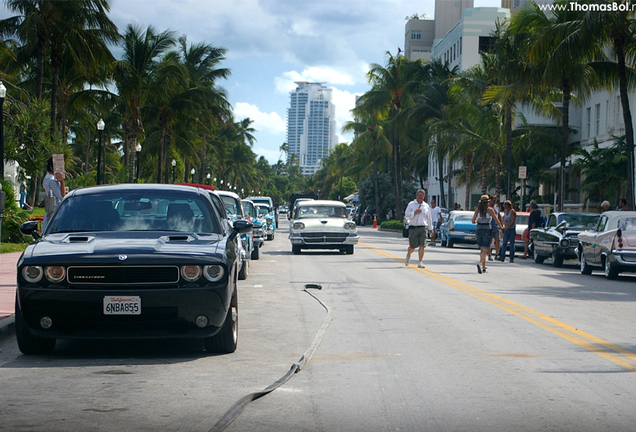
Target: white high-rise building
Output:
{"points": [[311, 125]]}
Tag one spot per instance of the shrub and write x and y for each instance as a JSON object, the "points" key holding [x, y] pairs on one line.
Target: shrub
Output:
{"points": [[392, 225], [12, 218]]}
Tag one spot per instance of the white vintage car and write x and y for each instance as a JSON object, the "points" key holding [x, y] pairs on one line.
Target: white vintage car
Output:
{"points": [[322, 224], [610, 246]]}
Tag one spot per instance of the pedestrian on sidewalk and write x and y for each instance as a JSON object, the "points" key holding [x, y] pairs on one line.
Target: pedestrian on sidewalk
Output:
{"points": [[419, 214], [534, 220], [483, 216], [509, 221]]}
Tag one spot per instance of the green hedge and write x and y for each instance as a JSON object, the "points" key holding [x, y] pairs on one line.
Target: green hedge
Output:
{"points": [[392, 224]]}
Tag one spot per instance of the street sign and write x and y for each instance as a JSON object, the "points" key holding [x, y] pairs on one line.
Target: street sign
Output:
{"points": [[452, 182], [427, 184], [523, 172]]}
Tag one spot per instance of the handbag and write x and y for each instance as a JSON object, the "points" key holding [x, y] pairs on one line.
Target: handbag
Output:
{"points": [[49, 204]]}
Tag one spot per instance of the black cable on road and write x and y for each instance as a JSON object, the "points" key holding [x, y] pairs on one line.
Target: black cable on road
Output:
{"points": [[235, 411]]}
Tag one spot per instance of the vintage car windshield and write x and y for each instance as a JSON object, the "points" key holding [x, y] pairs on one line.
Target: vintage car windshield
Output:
{"points": [[463, 218], [231, 205], [321, 211], [521, 220], [262, 210], [138, 211], [579, 221], [626, 224]]}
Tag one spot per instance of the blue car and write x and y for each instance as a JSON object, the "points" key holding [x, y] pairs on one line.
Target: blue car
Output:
{"points": [[458, 228]]}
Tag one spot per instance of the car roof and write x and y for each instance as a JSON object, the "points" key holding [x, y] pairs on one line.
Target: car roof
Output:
{"points": [[320, 202], [131, 187], [199, 185]]}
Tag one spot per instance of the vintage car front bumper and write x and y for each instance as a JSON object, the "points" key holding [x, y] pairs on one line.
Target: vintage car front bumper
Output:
{"points": [[321, 238]]}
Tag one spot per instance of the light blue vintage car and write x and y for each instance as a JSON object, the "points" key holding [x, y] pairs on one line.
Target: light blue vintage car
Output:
{"points": [[267, 217], [458, 228]]}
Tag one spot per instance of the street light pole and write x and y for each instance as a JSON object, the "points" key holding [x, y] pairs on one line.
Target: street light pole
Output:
{"points": [[208, 176], [3, 93], [100, 128], [174, 164], [192, 172], [138, 150]]}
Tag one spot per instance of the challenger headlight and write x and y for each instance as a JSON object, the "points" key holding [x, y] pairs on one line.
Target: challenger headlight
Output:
{"points": [[299, 225], [191, 272], [32, 274], [350, 225], [55, 274], [213, 273]]}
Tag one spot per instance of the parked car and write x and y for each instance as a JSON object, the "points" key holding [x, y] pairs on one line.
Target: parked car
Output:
{"points": [[258, 238], [367, 216], [521, 225], [559, 238], [234, 211], [611, 245], [266, 218], [268, 201], [458, 228], [322, 224], [130, 261]]}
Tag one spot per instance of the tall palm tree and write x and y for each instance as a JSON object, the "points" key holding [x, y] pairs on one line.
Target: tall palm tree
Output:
{"points": [[393, 89], [370, 142], [132, 75], [559, 49], [616, 29]]}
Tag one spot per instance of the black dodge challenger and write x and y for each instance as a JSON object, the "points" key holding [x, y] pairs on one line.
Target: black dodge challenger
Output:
{"points": [[130, 261]]}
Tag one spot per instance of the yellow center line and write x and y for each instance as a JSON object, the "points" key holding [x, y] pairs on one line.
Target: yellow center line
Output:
{"points": [[585, 340]]}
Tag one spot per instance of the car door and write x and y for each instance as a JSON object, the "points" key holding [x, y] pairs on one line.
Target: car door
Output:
{"points": [[594, 247], [544, 236]]}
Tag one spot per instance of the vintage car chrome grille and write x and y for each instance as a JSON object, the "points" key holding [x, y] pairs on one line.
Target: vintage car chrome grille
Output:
{"points": [[120, 275], [324, 237]]}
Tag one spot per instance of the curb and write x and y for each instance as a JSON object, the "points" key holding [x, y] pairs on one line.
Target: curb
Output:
{"points": [[7, 327]]}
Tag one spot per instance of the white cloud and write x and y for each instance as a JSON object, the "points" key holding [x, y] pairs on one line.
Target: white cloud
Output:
{"points": [[269, 122], [285, 83], [344, 102]]}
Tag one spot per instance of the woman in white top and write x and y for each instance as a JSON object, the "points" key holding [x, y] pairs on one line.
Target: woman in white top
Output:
{"points": [[53, 184]]}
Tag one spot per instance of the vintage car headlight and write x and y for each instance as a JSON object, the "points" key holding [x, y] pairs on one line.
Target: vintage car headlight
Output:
{"points": [[564, 243], [55, 274], [299, 225], [350, 225], [191, 272], [32, 274], [213, 273]]}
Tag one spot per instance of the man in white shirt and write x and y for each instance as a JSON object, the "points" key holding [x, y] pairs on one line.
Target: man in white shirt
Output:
{"points": [[436, 218], [420, 222]]}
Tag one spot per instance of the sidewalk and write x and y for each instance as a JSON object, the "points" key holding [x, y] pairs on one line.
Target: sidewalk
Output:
{"points": [[7, 291]]}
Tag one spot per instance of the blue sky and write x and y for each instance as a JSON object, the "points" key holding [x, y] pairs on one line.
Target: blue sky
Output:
{"points": [[272, 43]]}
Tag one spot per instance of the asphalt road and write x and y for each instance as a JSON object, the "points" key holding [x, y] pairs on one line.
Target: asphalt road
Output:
{"points": [[524, 347]]}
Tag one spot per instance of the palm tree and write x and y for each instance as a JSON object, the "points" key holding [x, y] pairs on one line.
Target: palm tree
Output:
{"points": [[132, 75], [370, 142], [393, 89], [616, 29], [555, 45]]}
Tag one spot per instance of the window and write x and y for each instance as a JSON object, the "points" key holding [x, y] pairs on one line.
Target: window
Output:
{"points": [[589, 119], [597, 112], [416, 34]]}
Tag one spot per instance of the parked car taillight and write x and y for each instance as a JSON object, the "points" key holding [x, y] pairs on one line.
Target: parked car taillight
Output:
{"points": [[619, 238]]}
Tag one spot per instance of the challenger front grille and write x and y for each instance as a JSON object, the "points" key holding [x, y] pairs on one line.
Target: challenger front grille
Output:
{"points": [[123, 275]]}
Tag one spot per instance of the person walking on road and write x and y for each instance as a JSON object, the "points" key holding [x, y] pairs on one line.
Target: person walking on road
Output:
{"points": [[483, 216], [496, 234], [509, 221], [419, 214], [53, 186], [436, 218]]}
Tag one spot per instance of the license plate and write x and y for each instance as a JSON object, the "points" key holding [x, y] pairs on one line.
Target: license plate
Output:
{"points": [[122, 305]]}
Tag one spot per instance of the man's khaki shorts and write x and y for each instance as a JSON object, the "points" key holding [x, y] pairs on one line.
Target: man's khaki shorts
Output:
{"points": [[417, 236]]}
